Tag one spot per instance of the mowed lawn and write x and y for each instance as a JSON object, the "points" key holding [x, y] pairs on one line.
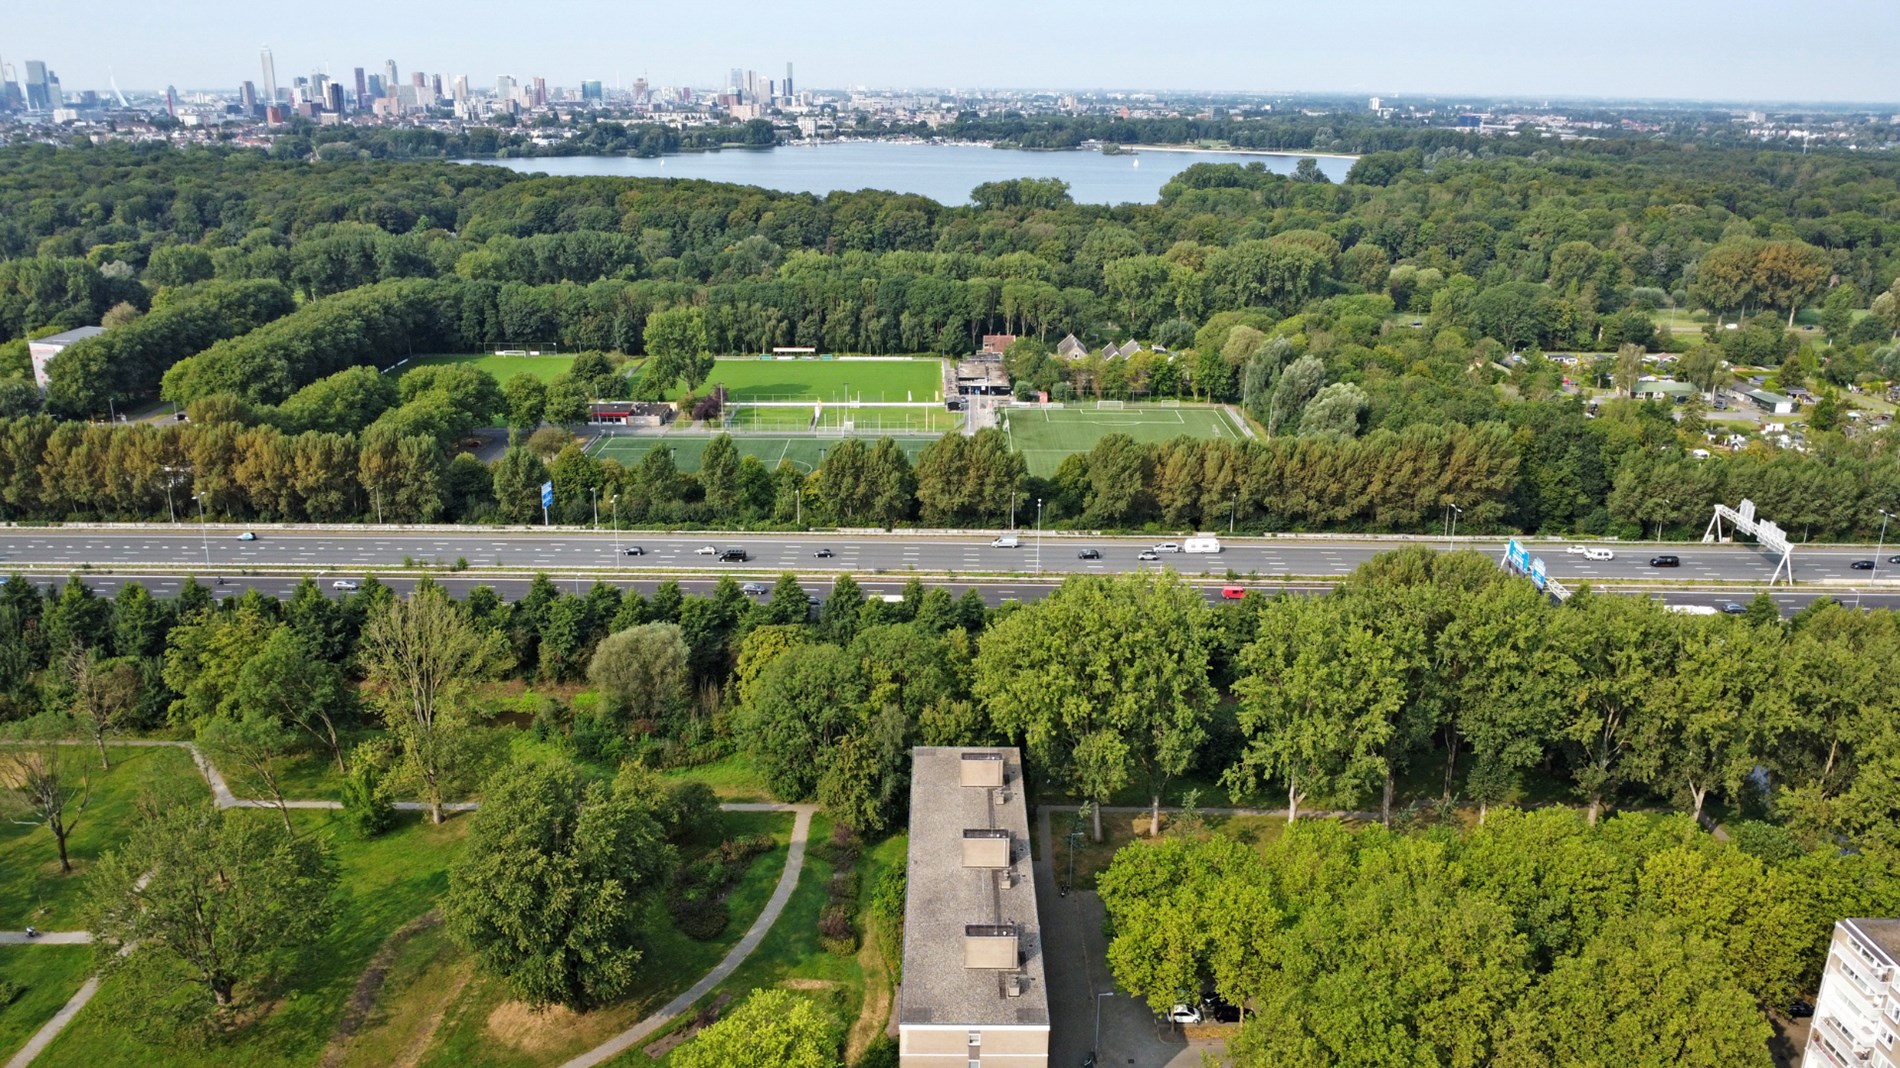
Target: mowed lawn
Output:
{"points": [[503, 368], [804, 450], [32, 889], [870, 381], [1048, 435]]}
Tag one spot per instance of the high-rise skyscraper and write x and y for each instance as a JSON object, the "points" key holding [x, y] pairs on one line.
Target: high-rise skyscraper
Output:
{"points": [[788, 81], [376, 89], [461, 88], [270, 77], [362, 91], [435, 86], [590, 92], [247, 97], [389, 74], [36, 92], [333, 98]]}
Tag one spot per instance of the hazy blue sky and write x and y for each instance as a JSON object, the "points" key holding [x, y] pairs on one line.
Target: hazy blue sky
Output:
{"points": [[1702, 49]]}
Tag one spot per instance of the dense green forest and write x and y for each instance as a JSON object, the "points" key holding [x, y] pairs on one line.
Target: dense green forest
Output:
{"points": [[1430, 688], [1364, 325]]}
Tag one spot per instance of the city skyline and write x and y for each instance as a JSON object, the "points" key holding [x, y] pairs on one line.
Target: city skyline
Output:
{"points": [[1483, 48]]}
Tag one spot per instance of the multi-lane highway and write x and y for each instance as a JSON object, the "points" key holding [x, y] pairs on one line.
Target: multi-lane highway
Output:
{"points": [[330, 551]]}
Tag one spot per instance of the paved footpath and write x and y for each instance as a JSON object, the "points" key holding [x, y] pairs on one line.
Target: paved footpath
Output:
{"points": [[224, 798]]}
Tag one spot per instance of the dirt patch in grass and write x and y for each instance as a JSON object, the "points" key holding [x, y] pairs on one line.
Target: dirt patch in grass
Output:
{"points": [[810, 984], [363, 997], [705, 1018], [517, 1024], [874, 1017]]}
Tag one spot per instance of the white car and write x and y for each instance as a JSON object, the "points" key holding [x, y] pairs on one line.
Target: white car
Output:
{"points": [[1576, 550], [1185, 1014], [1598, 554], [343, 584], [1148, 554], [1168, 547], [705, 550]]}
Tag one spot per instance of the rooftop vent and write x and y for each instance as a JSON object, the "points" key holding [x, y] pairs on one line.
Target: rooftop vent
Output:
{"points": [[982, 769], [985, 848], [990, 946]]}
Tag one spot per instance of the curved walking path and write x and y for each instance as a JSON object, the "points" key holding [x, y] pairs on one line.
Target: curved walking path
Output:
{"points": [[787, 882], [221, 794]]}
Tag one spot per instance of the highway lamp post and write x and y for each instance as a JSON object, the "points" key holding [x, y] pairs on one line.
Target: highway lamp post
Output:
{"points": [[1012, 509], [1452, 537], [594, 492], [205, 526], [1660, 518], [613, 503], [798, 507], [1097, 1044], [1874, 572], [171, 482], [1038, 535], [1232, 512]]}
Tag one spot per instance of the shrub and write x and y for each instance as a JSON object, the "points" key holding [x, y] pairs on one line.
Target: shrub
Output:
{"points": [[366, 808], [835, 931], [700, 918], [10, 992]]}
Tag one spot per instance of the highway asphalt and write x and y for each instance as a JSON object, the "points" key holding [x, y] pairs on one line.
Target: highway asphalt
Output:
{"points": [[327, 551], [162, 555]]}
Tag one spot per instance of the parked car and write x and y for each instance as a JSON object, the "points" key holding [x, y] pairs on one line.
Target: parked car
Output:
{"points": [[1089, 554], [1185, 1014], [633, 550], [343, 584], [1862, 565], [1733, 608], [1148, 554], [1801, 1008], [753, 589], [1168, 547], [1665, 561], [706, 550], [247, 536], [824, 554]]}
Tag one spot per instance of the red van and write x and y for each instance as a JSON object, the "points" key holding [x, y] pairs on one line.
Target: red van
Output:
{"points": [[1233, 593]]}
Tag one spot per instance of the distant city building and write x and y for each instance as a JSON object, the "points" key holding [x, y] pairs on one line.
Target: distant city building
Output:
{"points": [[270, 76], [43, 350], [376, 89], [38, 92], [362, 90], [788, 81], [974, 989], [435, 88], [540, 98], [461, 89], [334, 98], [389, 74], [1857, 1012], [247, 98], [590, 92]]}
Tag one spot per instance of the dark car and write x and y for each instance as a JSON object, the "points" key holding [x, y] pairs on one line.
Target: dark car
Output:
{"points": [[633, 550], [733, 556], [1089, 554], [824, 554], [1893, 559], [1731, 608], [1862, 565], [1800, 1009], [1665, 561], [754, 589]]}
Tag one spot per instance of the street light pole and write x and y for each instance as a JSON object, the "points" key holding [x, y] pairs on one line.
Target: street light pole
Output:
{"points": [[1453, 536], [594, 492], [1660, 518], [798, 502], [1874, 572], [1038, 535], [1095, 1046], [1232, 512], [613, 503], [205, 525]]}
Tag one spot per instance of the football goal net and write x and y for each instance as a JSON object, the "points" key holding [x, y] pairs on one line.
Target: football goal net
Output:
{"points": [[1110, 405]]}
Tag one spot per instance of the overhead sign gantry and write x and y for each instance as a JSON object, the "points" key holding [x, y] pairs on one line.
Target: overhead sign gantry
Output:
{"points": [[1766, 534]]}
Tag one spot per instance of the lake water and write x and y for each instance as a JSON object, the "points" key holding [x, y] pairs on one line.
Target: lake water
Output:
{"points": [[944, 173]]}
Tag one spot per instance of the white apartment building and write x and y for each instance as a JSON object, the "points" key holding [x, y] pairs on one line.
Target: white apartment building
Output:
{"points": [[1857, 1015]]}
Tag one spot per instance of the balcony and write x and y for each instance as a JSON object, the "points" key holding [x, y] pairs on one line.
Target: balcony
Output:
{"points": [[1818, 1044], [1836, 1035]]}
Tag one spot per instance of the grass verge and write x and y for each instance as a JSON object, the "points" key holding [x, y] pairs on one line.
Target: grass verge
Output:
{"points": [[50, 974]]}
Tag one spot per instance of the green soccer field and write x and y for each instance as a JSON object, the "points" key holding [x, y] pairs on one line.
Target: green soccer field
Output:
{"points": [[502, 367], [864, 420], [870, 381], [1046, 436], [805, 451]]}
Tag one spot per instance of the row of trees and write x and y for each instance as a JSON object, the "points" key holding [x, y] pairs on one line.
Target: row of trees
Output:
{"points": [[1534, 939]]}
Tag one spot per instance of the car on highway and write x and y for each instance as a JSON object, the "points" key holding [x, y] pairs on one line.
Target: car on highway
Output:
{"points": [[824, 554], [633, 550], [1148, 554], [1233, 593], [1665, 561], [753, 589], [1594, 553], [706, 550], [1733, 608], [1862, 565], [733, 556], [247, 536], [1575, 550], [1089, 554], [1893, 559], [343, 584], [1168, 547]]}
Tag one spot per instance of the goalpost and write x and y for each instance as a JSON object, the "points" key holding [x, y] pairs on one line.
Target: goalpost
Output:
{"points": [[524, 348], [1110, 405]]}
